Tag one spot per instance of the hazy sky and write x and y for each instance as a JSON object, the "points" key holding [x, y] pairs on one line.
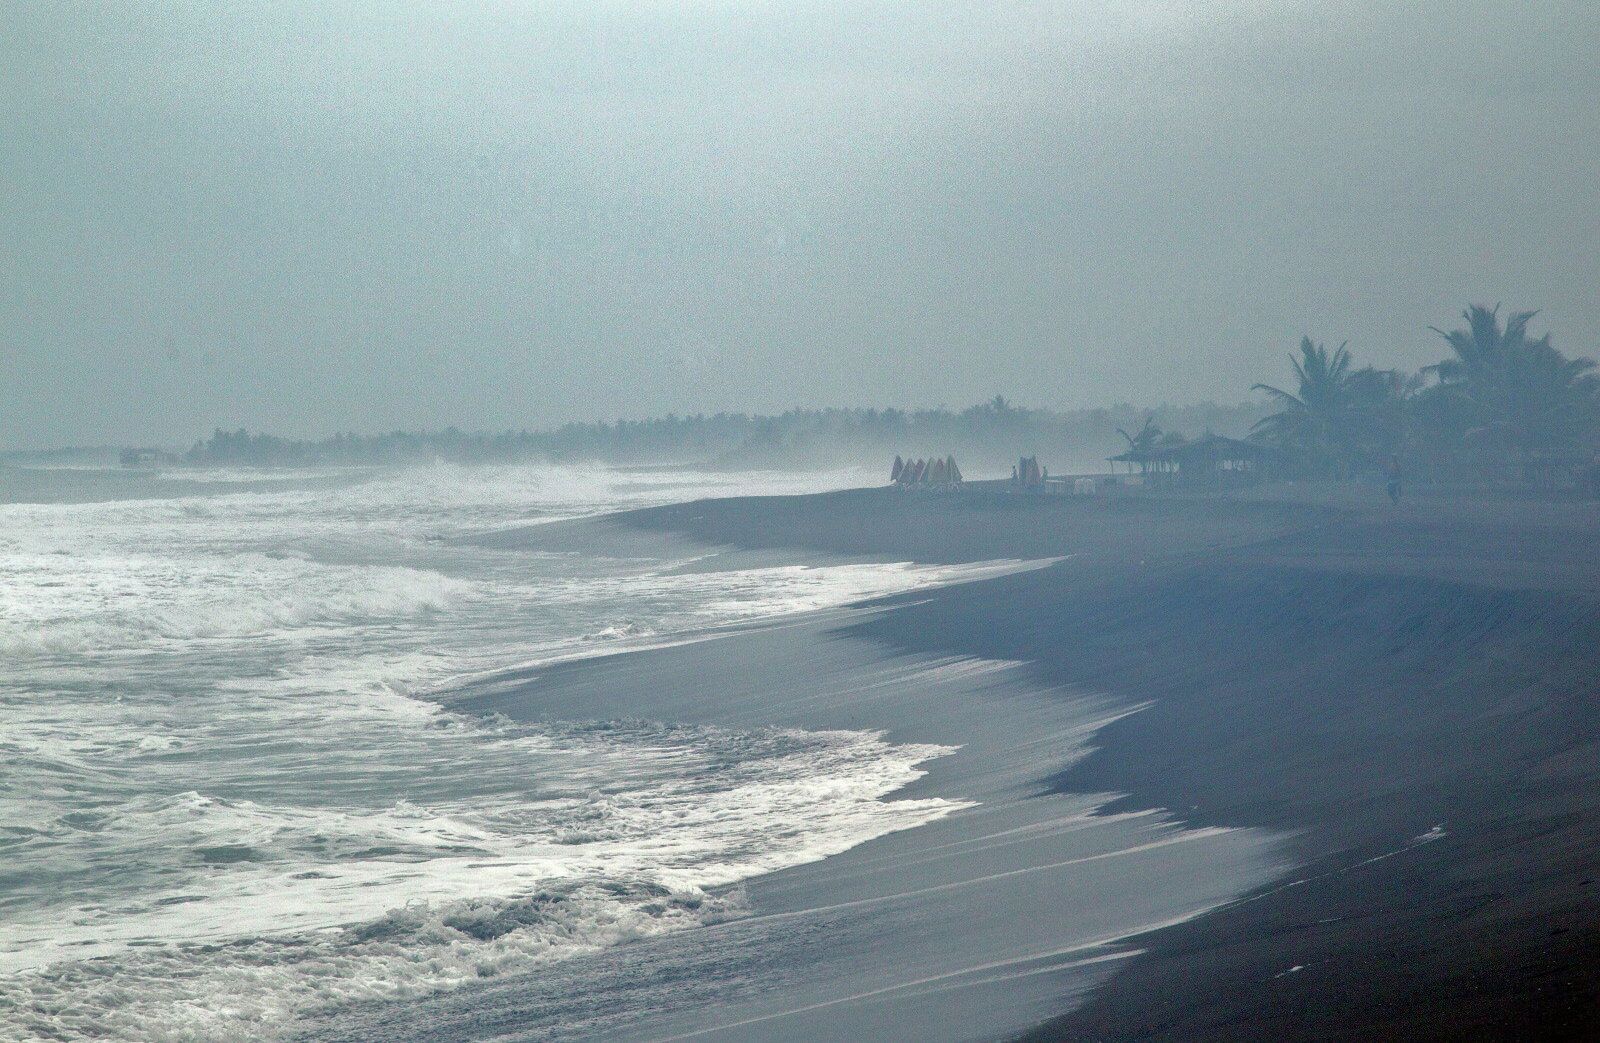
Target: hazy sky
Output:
{"points": [[315, 217]]}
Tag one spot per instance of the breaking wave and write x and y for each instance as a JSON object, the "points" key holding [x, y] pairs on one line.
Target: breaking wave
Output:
{"points": [[231, 795]]}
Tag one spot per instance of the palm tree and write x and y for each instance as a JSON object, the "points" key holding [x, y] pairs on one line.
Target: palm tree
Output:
{"points": [[1146, 438], [1338, 415], [1311, 418], [1504, 389]]}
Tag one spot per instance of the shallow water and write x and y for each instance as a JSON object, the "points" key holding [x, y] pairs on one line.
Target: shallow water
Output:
{"points": [[976, 925], [230, 797]]}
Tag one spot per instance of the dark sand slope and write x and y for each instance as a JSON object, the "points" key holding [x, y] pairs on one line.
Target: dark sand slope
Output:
{"points": [[975, 924], [1358, 674]]}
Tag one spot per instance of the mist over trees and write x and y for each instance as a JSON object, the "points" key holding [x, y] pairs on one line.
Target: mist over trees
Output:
{"points": [[990, 434], [1502, 405]]}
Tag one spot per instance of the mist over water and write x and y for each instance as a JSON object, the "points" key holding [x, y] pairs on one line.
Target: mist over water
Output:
{"points": [[230, 793]]}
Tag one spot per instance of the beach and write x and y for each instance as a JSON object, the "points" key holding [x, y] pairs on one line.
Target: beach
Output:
{"points": [[776, 523], [1387, 710], [1408, 692], [971, 925], [238, 802], [563, 754]]}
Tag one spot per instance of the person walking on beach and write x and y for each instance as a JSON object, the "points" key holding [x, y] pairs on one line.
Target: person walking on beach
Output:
{"points": [[1391, 471]]}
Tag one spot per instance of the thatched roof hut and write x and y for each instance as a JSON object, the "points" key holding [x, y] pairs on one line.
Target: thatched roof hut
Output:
{"points": [[1210, 459]]}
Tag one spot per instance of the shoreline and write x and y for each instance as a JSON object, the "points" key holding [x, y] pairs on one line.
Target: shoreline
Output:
{"points": [[970, 925], [1389, 706], [1357, 677], [915, 930]]}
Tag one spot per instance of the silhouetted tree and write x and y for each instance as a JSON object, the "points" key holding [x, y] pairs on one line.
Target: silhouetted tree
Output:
{"points": [[1505, 392], [1338, 416], [1146, 438]]}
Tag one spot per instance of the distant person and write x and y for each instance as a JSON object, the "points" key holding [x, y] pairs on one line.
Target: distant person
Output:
{"points": [[1391, 472]]}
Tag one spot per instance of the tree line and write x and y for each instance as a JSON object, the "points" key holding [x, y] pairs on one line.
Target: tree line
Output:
{"points": [[1501, 404], [990, 434]]}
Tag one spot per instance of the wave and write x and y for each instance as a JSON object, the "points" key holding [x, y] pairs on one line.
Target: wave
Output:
{"points": [[233, 797], [252, 988], [108, 603], [643, 836]]}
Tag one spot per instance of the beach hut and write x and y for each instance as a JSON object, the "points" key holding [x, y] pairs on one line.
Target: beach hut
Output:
{"points": [[1212, 460], [141, 457], [1156, 466], [897, 470]]}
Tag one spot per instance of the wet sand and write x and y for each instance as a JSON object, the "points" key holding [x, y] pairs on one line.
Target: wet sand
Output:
{"points": [[1297, 765], [1409, 692], [977, 924]]}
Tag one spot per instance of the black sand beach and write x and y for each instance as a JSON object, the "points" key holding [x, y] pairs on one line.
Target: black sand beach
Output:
{"points": [[1409, 691], [1292, 766], [977, 924]]}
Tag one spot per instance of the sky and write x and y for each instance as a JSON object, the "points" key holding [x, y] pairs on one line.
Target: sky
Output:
{"points": [[310, 218]]}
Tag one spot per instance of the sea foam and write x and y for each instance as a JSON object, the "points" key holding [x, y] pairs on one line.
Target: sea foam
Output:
{"points": [[231, 795]]}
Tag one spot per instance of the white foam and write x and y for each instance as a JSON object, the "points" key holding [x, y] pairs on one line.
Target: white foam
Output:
{"points": [[229, 799], [626, 856]]}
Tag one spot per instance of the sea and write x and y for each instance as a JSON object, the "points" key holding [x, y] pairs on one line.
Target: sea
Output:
{"points": [[233, 794]]}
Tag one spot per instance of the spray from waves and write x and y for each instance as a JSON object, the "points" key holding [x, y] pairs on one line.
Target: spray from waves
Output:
{"points": [[251, 989], [229, 799], [618, 859], [126, 602]]}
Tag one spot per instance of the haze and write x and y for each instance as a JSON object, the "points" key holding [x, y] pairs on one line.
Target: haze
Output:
{"points": [[390, 215]]}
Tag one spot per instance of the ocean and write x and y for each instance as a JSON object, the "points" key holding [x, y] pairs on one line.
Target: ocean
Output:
{"points": [[233, 794]]}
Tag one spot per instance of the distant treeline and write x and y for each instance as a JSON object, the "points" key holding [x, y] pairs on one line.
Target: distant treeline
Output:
{"points": [[1502, 405], [991, 434]]}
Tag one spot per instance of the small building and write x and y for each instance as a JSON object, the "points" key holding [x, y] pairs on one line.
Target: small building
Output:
{"points": [[1155, 467], [142, 457], [1562, 467], [1212, 460]]}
